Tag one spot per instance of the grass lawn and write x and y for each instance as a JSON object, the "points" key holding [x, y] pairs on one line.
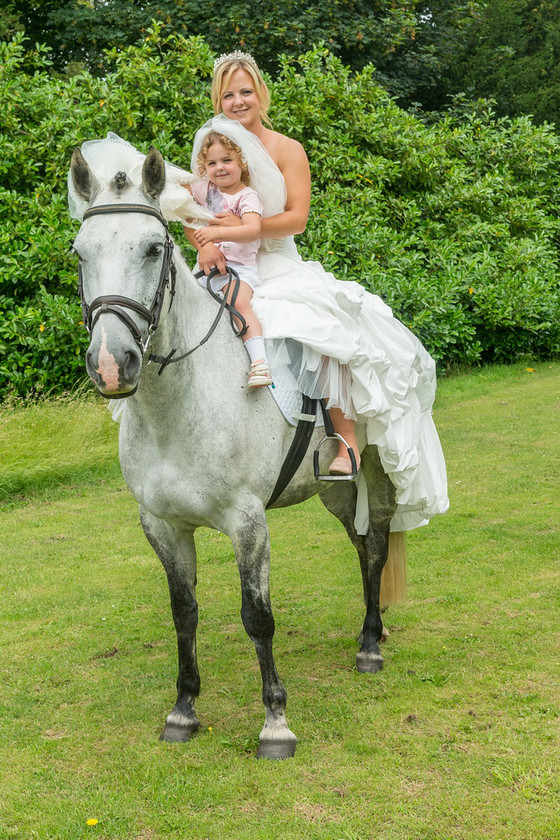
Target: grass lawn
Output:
{"points": [[456, 739]]}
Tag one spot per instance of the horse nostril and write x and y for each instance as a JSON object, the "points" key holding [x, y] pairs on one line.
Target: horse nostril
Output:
{"points": [[90, 367], [131, 365]]}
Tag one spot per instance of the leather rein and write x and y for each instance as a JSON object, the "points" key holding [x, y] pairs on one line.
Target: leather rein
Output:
{"points": [[118, 304]]}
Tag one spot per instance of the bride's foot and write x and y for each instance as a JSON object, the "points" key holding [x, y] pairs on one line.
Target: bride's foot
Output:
{"points": [[346, 429], [342, 465]]}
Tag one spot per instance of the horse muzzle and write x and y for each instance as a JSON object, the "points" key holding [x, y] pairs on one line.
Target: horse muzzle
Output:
{"points": [[113, 365]]}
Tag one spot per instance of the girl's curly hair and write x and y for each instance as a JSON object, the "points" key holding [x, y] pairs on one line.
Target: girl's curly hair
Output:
{"points": [[232, 149]]}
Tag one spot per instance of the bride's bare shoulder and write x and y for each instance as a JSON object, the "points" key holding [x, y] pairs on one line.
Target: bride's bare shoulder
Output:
{"points": [[284, 149]]}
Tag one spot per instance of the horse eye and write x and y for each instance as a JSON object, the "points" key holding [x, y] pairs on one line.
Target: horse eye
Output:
{"points": [[154, 250]]}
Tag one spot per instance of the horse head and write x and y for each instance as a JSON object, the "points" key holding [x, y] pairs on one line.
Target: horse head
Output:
{"points": [[125, 255]]}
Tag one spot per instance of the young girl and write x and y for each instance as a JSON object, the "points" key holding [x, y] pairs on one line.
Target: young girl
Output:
{"points": [[226, 189]]}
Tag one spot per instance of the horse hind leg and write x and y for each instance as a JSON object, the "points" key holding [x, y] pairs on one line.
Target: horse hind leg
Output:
{"points": [[251, 543], [372, 548], [177, 553]]}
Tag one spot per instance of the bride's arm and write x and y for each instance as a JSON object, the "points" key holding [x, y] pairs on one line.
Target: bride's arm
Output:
{"points": [[292, 162]]}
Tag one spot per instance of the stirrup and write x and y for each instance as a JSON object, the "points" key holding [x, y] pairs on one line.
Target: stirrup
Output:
{"points": [[328, 477]]}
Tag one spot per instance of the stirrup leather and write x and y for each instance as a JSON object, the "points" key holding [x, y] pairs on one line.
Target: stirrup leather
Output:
{"points": [[328, 477]]}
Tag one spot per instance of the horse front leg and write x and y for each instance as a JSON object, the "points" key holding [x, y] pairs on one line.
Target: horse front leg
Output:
{"points": [[251, 543], [177, 552]]}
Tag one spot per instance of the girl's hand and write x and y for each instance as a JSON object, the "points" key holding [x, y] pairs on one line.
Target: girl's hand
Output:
{"points": [[226, 219], [210, 257], [203, 236]]}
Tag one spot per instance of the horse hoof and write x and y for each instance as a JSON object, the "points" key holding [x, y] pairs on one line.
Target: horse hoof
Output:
{"points": [[176, 734], [369, 663], [276, 750]]}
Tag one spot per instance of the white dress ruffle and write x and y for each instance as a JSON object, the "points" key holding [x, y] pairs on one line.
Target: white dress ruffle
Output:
{"points": [[342, 329]]}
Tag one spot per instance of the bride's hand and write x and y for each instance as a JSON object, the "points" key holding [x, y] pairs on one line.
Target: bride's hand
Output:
{"points": [[226, 219], [210, 257]]}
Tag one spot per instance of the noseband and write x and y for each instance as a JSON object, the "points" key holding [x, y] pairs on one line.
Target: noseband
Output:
{"points": [[117, 304]]}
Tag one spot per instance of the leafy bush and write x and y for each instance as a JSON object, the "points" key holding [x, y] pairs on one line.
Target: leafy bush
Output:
{"points": [[454, 224], [42, 343]]}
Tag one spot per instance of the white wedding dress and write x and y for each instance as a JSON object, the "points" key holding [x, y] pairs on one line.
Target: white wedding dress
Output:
{"points": [[332, 337], [344, 344]]}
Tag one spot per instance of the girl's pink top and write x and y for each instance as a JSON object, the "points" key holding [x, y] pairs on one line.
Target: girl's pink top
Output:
{"points": [[246, 200]]}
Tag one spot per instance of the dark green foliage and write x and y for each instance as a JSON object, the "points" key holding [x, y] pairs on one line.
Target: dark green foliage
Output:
{"points": [[356, 30], [424, 51], [408, 41], [509, 51], [455, 225], [417, 67]]}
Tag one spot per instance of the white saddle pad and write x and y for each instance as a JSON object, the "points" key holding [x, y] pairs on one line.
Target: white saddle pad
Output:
{"points": [[289, 399]]}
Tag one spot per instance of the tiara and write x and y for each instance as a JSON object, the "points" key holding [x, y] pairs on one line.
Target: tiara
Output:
{"points": [[237, 55]]}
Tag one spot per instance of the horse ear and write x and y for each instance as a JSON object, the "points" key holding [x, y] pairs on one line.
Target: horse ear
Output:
{"points": [[84, 180], [153, 173]]}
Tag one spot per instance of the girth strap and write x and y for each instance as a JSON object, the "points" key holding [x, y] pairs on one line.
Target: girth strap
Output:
{"points": [[298, 447]]}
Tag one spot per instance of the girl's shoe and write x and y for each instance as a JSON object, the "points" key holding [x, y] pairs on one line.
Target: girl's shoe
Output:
{"points": [[260, 374]]}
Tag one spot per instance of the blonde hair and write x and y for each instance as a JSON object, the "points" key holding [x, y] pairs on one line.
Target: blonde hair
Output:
{"points": [[232, 149], [222, 77]]}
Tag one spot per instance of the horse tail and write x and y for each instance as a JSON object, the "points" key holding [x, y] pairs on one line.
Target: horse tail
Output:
{"points": [[393, 577]]}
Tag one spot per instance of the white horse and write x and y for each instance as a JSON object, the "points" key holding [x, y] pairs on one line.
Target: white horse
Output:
{"points": [[197, 446]]}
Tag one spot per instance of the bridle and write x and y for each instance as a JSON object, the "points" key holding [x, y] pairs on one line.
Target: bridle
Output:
{"points": [[118, 304]]}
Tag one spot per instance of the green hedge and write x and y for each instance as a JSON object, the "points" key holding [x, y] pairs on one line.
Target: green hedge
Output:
{"points": [[455, 224]]}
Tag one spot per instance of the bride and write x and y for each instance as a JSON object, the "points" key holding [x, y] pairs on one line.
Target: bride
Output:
{"points": [[338, 341]]}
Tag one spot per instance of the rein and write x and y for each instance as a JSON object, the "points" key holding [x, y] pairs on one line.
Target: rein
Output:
{"points": [[233, 278], [118, 304]]}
